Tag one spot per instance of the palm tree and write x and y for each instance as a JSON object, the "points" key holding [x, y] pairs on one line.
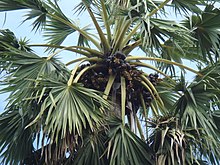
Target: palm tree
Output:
{"points": [[108, 106]]}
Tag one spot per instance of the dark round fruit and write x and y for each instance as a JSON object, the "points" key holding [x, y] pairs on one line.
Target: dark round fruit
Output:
{"points": [[156, 76], [120, 55]]}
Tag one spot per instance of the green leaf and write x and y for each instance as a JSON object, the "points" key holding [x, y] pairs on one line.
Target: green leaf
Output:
{"points": [[92, 150], [205, 31], [37, 7], [187, 5], [56, 30], [83, 104], [16, 142], [127, 148]]}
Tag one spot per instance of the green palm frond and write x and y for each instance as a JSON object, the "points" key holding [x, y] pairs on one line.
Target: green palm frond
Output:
{"points": [[205, 27], [81, 6], [124, 147], [82, 108], [157, 31], [167, 140], [115, 145], [16, 141], [6, 36], [93, 149], [69, 110], [193, 102], [37, 7], [187, 5], [82, 41], [23, 45], [27, 65], [27, 70], [16, 5], [194, 109], [50, 18], [179, 52], [56, 30], [168, 93], [40, 20], [13, 5]]}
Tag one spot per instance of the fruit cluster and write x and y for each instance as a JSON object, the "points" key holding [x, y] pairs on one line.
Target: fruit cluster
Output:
{"points": [[134, 88], [116, 63], [97, 78], [153, 78]]}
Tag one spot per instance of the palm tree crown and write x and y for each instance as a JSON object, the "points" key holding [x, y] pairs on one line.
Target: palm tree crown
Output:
{"points": [[109, 106]]}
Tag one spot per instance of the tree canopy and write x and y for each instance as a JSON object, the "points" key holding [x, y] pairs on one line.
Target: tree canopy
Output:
{"points": [[108, 105]]}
